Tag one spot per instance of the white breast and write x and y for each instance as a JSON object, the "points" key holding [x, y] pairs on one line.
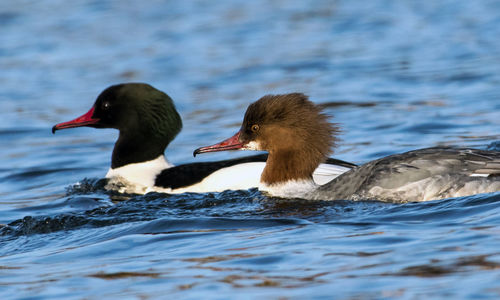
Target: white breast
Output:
{"points": [[136, 178], [290, 189]]}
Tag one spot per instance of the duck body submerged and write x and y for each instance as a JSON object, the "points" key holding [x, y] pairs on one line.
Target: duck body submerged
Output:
{"points": [[298, 137], [147, 122], [216, 176]]}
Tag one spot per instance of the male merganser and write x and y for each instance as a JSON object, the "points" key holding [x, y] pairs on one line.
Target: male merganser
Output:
{"points": [[148, 122], [296, 134]]}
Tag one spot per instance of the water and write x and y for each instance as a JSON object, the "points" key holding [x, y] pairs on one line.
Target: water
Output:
{"points": [[397, 75]]}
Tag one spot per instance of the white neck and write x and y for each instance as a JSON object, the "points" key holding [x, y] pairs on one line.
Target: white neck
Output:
{"points": [[143, 174], [289, 189]]}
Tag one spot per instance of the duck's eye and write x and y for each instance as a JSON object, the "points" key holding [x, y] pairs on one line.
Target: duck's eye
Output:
{"points": [[106, 105], [255, 128]]}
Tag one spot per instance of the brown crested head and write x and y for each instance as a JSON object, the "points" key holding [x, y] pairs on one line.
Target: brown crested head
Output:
{"points": [[292, 129], [288, 121]]}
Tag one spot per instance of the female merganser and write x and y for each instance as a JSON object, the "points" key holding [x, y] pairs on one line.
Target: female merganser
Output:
{"points": [[296, 134], [148, 122]]}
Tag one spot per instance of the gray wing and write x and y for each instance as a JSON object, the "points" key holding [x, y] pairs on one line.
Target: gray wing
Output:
{"points": [[449, 166]]}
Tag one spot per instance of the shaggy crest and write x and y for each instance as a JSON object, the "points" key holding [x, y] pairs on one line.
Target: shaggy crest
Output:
{"points": [[294, 131]]}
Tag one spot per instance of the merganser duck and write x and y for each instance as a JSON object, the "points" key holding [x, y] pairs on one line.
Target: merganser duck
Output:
{"points": [[147, 122], [297, 135]]}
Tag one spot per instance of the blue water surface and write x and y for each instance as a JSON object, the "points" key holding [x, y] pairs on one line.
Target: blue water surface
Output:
{"points": [[396, 75]]}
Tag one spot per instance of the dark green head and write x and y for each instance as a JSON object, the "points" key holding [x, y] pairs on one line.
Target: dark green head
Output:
{"points": [[138, 108]]}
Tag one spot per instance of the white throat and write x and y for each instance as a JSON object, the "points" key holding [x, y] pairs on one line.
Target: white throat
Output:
{"points": [[142, 174]]}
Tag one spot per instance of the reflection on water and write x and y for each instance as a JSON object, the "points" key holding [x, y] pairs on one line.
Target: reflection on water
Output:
{"points": [[395, 75]]}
